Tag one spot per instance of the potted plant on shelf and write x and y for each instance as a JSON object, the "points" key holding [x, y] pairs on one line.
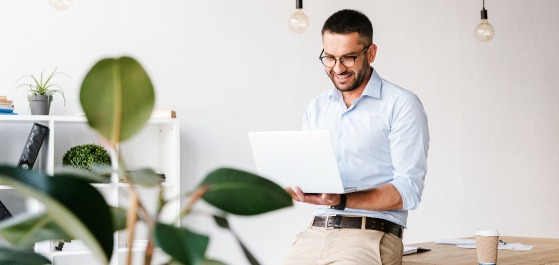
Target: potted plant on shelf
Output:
{"points": [[86, 157], [117, 97], [40, 92]]}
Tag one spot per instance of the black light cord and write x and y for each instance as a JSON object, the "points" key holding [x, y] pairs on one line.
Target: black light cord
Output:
{"points": [[483, 11]]}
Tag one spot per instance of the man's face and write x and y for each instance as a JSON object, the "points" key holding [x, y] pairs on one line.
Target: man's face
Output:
{"points": [[348, 45]]}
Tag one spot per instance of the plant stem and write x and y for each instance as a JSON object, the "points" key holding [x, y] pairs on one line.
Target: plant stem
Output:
{"points": [[135, 205], [131, 220], [151, 246], [193, 199]]}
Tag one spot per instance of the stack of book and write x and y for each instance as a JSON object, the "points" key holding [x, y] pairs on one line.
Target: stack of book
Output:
{"points": [[6, 106]]}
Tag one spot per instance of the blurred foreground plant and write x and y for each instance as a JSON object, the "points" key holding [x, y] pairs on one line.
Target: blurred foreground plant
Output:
{"points": [[118, 98]]}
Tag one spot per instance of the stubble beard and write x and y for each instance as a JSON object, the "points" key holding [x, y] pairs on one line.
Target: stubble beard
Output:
{"points": [[358, 82]]}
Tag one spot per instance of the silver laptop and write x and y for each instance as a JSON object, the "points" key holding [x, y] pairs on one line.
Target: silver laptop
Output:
{"points": [[298, 158]]}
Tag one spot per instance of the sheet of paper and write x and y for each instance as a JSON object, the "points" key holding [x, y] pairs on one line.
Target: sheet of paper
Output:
{"points": [[471, 243], [510, 246], [412, 250], [409, 250], [459, 241], [456, 241]]}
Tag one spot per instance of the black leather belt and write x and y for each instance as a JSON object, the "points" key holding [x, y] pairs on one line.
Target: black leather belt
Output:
{"points": [[339, 221]]}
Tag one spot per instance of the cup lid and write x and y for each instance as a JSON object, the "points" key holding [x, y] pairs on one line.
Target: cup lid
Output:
{"points": [[487, 232]]}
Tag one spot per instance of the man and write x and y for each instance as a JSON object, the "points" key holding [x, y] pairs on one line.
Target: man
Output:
{"points": [[381, 139]]}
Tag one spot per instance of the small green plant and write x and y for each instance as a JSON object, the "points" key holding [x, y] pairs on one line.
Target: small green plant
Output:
{"points": [[43, 85], [84, 157]]}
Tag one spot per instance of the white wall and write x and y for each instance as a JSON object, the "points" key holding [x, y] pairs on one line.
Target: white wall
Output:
{"points": [[229, 67]]}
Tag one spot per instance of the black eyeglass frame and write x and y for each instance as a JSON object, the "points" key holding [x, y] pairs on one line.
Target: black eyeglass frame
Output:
{"points": [[341, 59]]}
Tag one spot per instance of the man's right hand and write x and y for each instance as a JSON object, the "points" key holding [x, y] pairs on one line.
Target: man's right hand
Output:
{"points": [[313, 198]]}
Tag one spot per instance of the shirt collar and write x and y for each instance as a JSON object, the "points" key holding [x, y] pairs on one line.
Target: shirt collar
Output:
{"points": [[373, 88]]}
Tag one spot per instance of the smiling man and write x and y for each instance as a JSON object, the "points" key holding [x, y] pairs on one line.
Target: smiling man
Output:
{"points": [[381, 138]]}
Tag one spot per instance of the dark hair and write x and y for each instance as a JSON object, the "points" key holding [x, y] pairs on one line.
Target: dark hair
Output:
{"points": [[348, 21]]}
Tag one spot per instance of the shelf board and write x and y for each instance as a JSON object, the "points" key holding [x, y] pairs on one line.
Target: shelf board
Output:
{"points": [[103, 185], [68, 119], [74, 118], [69, 252], [164, 184]]}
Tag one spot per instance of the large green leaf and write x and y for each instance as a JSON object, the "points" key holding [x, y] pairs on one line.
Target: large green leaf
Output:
{"points": [[145, 177], [205, 261], [211, 262], [9, 256], [77, 207], [243, 193], [117, 97], [25, 229], [86, 175], [223, 223], [119, 218], [180, 243]]}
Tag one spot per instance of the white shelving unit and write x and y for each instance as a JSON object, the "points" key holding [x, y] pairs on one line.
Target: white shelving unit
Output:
{"points": [[157, 147]]}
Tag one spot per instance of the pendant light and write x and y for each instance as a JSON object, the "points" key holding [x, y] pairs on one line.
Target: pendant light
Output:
{"points": [[61, 4], [298, 21], [484, 31]]}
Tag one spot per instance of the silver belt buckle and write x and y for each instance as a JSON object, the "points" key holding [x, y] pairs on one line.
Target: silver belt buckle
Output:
{"points": [[336, 221], [327, 221]]}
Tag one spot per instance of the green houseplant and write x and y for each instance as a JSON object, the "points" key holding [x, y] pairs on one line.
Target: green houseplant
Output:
{"points": [[85, 157], [40, 91], [123, 102]]}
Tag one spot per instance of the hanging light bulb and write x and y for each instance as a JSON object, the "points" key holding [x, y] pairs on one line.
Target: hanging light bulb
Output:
{"points": [[61, 4], [298, 21], [484, 31]]}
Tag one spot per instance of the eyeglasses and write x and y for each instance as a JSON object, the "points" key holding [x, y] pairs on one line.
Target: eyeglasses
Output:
{"points": [[347, 61]]}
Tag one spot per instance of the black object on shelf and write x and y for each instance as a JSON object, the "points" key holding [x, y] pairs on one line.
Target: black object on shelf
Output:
{"points": [[32, 146], [4, 212], [59, 246]]}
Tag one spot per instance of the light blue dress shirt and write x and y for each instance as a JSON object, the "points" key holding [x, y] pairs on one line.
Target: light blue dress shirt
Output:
{"points": [[382, 138]]}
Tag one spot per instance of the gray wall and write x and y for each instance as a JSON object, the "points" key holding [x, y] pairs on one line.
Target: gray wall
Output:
{"points": [[229, 67]]}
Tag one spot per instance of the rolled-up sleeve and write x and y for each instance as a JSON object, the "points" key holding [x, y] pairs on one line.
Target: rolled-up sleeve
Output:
{"points": [[409, 145]]}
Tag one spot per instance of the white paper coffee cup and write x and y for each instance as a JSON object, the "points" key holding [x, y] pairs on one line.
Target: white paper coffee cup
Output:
{"points": [[487, 245]]}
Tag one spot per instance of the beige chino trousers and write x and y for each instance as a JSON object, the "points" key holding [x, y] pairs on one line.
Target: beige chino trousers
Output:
{"points": [[318, 245]]}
